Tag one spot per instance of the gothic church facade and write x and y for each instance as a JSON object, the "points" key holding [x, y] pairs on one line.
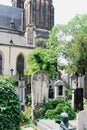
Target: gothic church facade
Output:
{"points": [[23, 26]]}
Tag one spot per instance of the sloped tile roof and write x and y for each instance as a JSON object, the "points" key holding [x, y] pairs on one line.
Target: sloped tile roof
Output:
{"points": [[6, 15], [17, 39]]}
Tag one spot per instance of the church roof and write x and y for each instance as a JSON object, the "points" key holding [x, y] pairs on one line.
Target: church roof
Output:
{"points": [[8, 13], [12, 38]]}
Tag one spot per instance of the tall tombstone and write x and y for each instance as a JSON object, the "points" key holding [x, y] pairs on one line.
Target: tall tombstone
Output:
{"points": [[39, 89], [82, 120], [20, 89], [74, 81], [78, 99], [85, 87], [22, 93]]}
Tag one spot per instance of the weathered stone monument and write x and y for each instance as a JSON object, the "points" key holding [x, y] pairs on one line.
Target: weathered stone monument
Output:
{"points": [[82, 120], [74, 81], [59, 89], [22, 93], [20, 89], [39, 89]]}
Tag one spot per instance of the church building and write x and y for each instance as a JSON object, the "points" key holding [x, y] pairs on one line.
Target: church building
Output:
{"points": [[23, 26]]}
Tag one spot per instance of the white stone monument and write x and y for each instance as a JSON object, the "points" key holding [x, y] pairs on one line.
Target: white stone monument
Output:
{"points": [[39, 88], [20, 89], [82, 120], [59, 89], [22, 93]]}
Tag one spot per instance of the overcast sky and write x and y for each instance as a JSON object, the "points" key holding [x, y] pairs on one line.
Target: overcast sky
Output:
{"points": [[65, 10]]}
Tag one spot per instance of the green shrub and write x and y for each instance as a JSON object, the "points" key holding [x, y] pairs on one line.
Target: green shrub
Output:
{"points": [[48, 105], [10, 112], [66, 107], [52, 114], [54, 108], [40, 113], [25, 119], [10, 79], [68, 92], [52, 104]]}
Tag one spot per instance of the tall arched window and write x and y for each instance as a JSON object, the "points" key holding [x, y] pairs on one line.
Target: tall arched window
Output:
{"points": [[20, 66], [0, 64]]}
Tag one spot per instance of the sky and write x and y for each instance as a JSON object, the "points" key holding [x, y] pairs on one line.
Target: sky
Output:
{"points": [[65, 10]]}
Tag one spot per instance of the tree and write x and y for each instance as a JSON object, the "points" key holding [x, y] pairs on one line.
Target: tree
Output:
{"points": [[77, 54], [65, 33], [59, 38], [70, 35], [42, 59]]}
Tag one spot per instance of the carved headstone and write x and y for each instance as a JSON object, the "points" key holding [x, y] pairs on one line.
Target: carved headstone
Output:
{"points": [[39, 87]]}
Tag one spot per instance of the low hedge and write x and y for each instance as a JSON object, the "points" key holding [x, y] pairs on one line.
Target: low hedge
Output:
{"points": [[10, 111], [54, 108]]}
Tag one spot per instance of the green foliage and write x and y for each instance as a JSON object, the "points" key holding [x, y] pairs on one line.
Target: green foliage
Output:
{"points": [[74, 35], [29, 99], [52, 104], [52, 114], [77, 54], [25, 119], [68, 92], [10, 112], [54, 108], [40, 113], [41, 59], [9, 79], [62, 42], [62, 36]]}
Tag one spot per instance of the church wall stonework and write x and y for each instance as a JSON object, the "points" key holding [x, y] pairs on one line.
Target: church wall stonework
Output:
{"points": [[10, 55], [40, 13], [23, 27]]}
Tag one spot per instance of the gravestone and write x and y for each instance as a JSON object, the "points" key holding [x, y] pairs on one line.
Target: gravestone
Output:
{"points": [[85, 87], [22, 93], [39, 89], [78, 99], [20, 89], [74, 81], [59, 89], [82, 120]]}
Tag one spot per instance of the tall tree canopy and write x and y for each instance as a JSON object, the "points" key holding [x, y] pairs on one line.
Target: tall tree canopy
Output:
{"points": [[74, 38], [66, 41], [77, 54], [45, 58], [42, 59]]}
